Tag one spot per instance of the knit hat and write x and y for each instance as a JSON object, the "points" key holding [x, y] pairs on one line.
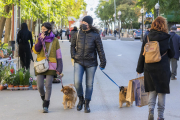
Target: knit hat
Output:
{"points": [[173, 28], [88, 19]]}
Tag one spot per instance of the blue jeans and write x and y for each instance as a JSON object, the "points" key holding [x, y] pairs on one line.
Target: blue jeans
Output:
{"points": [[161, 103], [78, 78]]}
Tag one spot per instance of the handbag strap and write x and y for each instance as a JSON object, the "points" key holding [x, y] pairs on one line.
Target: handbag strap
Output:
{"points": [[50, 48], [45, 50]]}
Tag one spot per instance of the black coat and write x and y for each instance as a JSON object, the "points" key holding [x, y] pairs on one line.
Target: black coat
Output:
{"points": [[72, 33], [88, 45], [157, 75], [176, 43]]}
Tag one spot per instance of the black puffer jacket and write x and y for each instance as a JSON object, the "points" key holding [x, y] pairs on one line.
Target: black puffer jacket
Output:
{"points": [[88, 44]]}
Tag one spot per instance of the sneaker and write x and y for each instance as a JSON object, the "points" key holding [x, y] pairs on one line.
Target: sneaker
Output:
{"points": [[45, 110], [174, 78]]}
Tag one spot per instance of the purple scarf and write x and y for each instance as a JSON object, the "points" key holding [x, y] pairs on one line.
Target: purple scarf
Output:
{"points": [[49, 38]]}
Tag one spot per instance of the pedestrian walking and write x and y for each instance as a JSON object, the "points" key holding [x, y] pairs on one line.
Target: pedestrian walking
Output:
{"points": [[55, 62], [176, 44], [115, 32], [61, 33], [157, 75], [67, 34], [23, 37], [72, 33], [148, 30], [84, 48]]}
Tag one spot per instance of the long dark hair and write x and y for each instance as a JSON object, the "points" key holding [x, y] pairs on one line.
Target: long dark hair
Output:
{"points": [[94, 29], [24, 32]]}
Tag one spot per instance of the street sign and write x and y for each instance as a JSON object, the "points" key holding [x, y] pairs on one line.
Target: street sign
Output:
{"points": [[149, 15]]}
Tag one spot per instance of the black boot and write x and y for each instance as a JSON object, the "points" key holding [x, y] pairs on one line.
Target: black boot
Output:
{"points": [[86, 106], [45, 106], [80, 104], [42, 97]]}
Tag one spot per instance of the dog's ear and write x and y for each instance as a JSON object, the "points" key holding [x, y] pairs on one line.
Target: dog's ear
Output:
{"points": [[122, 88], [72, 90], [62, 90]]}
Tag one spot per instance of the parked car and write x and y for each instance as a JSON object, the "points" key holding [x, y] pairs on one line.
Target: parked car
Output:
{"points": [[138, 34]]}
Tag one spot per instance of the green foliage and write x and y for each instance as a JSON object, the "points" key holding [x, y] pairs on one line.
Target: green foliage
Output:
{"points": [[26, 77], [129, 11], [8, 76], [167, 7], [57, 9], [16, 79], [34, 82], [21, 77]]}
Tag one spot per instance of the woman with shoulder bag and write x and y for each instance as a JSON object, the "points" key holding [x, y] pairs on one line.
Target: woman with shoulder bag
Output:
{"points": [[55, 62], [157, 75], [84, 48]]}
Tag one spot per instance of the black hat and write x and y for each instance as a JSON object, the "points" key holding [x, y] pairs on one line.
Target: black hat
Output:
{"points": [[88, 19], [173, 28]]}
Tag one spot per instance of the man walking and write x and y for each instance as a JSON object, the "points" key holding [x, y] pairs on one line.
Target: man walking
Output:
{"points": [[115, 32], [176, 44]]}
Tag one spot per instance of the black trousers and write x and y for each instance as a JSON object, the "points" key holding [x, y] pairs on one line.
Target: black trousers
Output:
{"points": [[25, 55], [68, 37]]}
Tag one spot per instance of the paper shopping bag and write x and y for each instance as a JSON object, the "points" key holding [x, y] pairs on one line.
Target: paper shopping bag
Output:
{"points": [[141, 97]]}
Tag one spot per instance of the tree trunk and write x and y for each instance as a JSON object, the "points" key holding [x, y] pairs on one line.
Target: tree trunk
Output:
{"points": [[29, 24], [33, 30], [8, 30], [3, 20]]}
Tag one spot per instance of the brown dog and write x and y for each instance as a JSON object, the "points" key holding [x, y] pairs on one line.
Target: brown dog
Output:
{"points": [[69, 97], [122, 97]]}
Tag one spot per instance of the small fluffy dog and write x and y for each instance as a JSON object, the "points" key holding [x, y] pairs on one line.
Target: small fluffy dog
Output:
{"points": [[69, 97], [122, 97]]}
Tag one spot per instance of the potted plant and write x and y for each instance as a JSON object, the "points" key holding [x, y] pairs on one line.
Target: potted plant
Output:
{"points": [[21, 79], [34, 85], [26, 79], [16, 81], [9, 76]]}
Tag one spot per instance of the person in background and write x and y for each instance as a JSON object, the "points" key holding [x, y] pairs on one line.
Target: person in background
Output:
{"points": [[148, 30], [84, 48], [174, 60], [109, 32], [61, 33], [72, 33], [67, 33], [157, 75], [23, 37], [115, 32]]}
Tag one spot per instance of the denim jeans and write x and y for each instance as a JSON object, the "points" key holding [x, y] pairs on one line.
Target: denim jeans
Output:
{"points": [[161, 103], [78, 79]]}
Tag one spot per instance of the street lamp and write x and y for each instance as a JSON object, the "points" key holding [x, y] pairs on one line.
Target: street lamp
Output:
{"points": [[142, 11], [114, 15], [119, 15], [157, 6]]}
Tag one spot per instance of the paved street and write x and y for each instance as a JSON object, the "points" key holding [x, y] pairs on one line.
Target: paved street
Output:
{"points": [[122, 57]]}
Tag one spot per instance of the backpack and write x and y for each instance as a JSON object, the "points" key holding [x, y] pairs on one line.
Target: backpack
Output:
{"points": [[152, 52]]}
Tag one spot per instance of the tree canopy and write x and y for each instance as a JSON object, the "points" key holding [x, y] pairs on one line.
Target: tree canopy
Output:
{"points": [[129, 11]]}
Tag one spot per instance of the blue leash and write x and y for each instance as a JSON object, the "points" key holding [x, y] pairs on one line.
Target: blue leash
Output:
{"points": [[111, 80]]}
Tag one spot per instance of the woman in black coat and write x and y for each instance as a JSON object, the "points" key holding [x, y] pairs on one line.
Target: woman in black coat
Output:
{"points": [[84, 48], [23, 38], [157, 75], [72, 33]]}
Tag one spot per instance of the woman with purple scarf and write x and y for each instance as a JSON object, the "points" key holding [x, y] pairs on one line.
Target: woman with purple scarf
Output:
{"points": [[55, 62]]}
